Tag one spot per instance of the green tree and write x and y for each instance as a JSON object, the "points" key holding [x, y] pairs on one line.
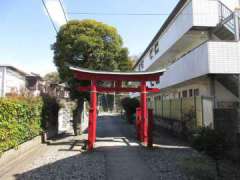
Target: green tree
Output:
{"points": [[88, 44], [52, 77]]}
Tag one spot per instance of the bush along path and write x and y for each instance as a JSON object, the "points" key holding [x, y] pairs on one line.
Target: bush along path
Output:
{"points": [[20, 121]]}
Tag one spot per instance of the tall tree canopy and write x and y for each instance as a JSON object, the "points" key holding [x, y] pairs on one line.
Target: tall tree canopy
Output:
{"points": [[88, 44]]}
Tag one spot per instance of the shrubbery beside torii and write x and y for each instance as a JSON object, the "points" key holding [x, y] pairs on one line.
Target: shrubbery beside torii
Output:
{"points": [[130, 105], [88, 44]]}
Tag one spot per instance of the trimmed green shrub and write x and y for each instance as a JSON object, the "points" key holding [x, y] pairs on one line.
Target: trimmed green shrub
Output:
{"points": [[49, 112], [20, 120], [130, 105], [211, 142]]}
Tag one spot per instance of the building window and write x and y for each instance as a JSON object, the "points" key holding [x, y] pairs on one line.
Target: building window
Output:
{"points": [[151, 53], [190, 92], [196, 92], [184, 94], [179, 95], [156, 48]]}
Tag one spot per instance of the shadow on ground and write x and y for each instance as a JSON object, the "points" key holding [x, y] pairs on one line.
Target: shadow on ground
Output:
{"points": [[118, 155], [111, 161]]}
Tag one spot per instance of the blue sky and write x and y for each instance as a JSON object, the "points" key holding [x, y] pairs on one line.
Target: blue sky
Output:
{"points": [[26, 32]]}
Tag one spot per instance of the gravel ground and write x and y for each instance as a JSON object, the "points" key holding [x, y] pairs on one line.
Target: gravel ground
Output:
{"points": [[61, 159], [117, 156]]}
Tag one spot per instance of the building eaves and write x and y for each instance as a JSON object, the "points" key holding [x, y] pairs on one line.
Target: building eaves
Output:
{"points": [[177, 8]]}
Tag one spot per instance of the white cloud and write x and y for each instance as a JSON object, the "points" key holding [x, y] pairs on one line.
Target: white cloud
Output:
{"points": [[55, 11]]}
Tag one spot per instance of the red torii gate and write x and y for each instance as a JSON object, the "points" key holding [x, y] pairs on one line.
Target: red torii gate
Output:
{"points": [[117, 78]]}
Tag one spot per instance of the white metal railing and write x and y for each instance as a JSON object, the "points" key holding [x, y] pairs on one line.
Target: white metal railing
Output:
{"points": [[226, 17]]}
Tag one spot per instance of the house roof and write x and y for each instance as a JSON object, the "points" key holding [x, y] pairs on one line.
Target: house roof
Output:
{"points": [[34, 76], [15, 69], [178, 7]]}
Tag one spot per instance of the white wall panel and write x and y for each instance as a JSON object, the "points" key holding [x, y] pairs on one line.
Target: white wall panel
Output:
{"points": [[209, 58], [192, 65], [205, 13], [14, 81], [224, 57]]}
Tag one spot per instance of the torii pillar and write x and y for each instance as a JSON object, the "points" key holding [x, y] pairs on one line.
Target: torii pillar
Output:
{"points": [[144, 112], [92, 116]]}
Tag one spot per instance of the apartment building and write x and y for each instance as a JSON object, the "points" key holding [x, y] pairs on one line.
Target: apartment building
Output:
{"points": [[199, 46]]}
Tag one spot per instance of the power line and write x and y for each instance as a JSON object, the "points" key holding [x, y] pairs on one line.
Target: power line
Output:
{"points": [[131, 14], [49, 16], [64, 12], [119, 14]]}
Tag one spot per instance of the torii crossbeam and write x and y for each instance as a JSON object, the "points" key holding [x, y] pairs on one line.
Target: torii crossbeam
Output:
{"points": [[117, 78]]}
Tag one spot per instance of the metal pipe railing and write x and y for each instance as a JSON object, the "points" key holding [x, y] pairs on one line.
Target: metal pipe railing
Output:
{"points": [[226, 17]]}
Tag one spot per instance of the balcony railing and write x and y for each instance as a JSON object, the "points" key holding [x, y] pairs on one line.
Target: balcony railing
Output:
{"points": [[227, 17]]}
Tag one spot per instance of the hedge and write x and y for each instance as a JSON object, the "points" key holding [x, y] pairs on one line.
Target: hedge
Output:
{"points": [[20, 120], [49, 111], [130, 104]]}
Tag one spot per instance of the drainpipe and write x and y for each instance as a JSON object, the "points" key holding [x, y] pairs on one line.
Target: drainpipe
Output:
{"points": [[236, 22]]}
